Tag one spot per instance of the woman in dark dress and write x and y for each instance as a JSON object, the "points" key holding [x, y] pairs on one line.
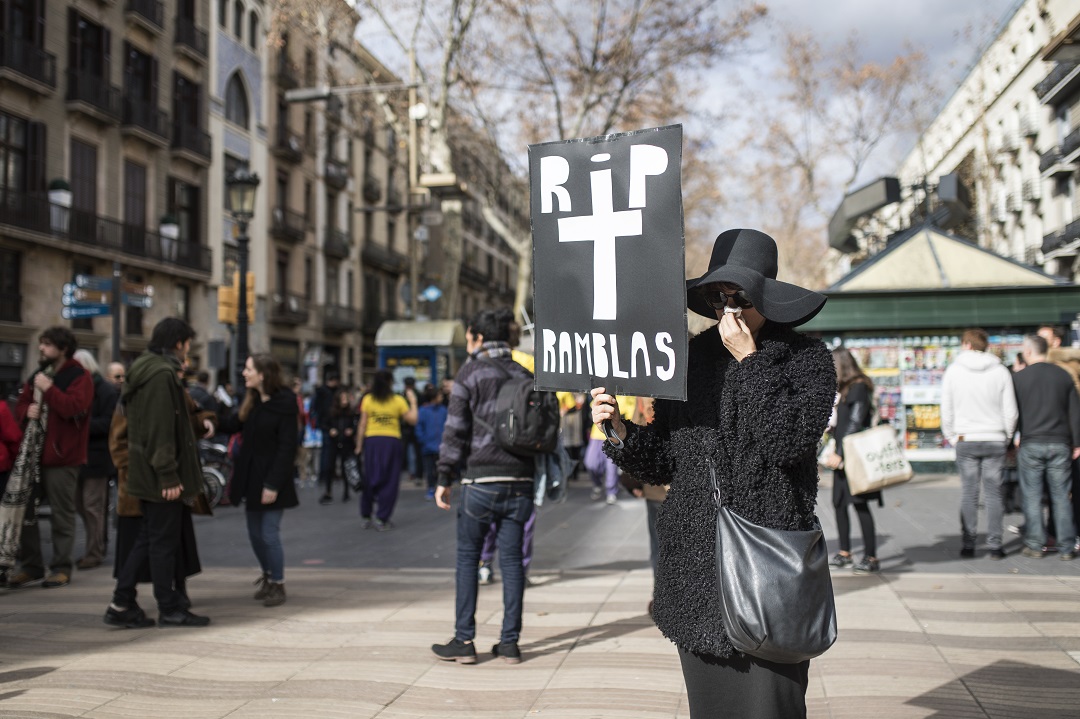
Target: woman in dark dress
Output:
{"points": [[342, 434], [853, 414]]}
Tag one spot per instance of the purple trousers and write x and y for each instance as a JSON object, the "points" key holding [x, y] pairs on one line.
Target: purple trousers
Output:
{"points": [[383, 457], [601, 469], [487, 552]]}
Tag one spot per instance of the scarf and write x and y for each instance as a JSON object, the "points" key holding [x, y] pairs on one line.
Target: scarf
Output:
{"points": [[493, 350], [25, 478]]}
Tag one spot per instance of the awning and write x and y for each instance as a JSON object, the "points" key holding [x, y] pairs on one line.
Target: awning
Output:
{"points": [[434, 333]]}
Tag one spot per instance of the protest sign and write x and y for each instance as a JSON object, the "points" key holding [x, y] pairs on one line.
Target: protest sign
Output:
{"points": [[609, 298]]}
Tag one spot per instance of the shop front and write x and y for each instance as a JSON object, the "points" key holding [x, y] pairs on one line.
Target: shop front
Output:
{"points": [[428, 351]]}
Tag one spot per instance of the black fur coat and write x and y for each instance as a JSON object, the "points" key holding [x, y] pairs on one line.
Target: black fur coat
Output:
{"points": [[759, 422]]}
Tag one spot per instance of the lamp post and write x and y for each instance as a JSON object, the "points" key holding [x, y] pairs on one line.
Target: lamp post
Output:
{"points": [[241, 187]]}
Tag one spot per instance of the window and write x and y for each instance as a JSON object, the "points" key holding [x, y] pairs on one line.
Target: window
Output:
{"points": [[13, 141], [307, 201], [187, 101], [223, 14], [281, 272], [184, 204], [309, 67], [333, 282], [135, 209], [350, 280], [88, 46], [238, 19], [236, 103], [10, 286], [183, 303], [253, 30], [309, 278], [133, 316], [308, 136], [232, 164]]}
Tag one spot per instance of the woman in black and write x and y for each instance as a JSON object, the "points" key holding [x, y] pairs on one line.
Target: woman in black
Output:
{"points": [[341, 433], [759, 396], [853, 414]]}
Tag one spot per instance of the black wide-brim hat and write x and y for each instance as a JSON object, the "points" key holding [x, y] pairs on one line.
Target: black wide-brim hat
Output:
{"points": [[748, 258]]}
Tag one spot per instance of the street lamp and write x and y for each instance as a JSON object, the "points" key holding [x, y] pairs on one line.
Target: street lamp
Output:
{"points": [[241, 188]]}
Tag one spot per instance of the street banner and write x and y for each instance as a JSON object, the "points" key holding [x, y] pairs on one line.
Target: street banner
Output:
{"points": [[609, 292]]}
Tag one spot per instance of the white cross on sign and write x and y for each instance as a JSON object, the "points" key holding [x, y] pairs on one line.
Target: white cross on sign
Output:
{"points": [[602, 227]]}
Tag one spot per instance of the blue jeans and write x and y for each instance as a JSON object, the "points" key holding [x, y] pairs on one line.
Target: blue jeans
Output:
{"points": [[264, 530], [1052, 462], [981, 465], [507, 505]]}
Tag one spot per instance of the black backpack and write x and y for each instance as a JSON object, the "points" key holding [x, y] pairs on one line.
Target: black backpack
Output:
{"points": [[526, 419]]}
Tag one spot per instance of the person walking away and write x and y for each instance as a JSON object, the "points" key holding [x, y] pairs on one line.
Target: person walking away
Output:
{"points": [[759, 396], [342, 437], [978, 417], [496, 486], [164, 472], [92, 497], [263, 476], [1049, 430], [59, 397], [431, 420], [378, 441], [320, 416], [853, 414], [602, 471]]}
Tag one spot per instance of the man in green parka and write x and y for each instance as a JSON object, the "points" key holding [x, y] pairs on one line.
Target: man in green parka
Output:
{"points": [[163, 471]]}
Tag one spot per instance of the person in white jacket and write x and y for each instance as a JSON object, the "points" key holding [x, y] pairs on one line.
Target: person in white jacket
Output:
{"points": [[978, 417]]}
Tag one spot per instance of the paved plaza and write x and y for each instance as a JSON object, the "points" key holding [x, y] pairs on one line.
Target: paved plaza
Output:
{"points": [[931, 636]]}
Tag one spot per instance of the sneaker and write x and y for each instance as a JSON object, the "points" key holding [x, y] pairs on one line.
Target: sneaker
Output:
{"points": [[57, 579], [263, 584], [275, 595], [866, 566], [181, 618], [86, 563], [430, 495], [326, 499], [967, 552], [184, 601], [841, 560], [596, 494], [508, 652], [485, 574], [22, 579], [131, 618], [1033, 553], [365, 523], [381, 526], [997, 553], [1067, 556], [456, 651], [611, 499]]}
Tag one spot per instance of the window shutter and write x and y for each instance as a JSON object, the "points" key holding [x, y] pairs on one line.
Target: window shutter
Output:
{"points": [[74, 40], [38, 33]]}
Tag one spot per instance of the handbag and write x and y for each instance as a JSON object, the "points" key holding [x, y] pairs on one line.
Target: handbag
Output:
{"points": [[354, 475], [775, 589], [827, 449], [874, 459]]}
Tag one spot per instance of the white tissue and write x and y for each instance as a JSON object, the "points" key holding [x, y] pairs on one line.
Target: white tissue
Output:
{"points": [[737, 311]]}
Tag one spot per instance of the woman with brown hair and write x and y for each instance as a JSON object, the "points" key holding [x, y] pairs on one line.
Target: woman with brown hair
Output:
{"points": [[853, 414], [263, 474]]}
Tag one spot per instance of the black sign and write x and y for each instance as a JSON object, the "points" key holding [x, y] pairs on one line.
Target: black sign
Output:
{"points": [[608, 264]]}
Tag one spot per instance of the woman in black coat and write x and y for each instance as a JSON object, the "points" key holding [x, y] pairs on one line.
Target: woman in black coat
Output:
{"points": [[853, 414], [263, 472], [759, 398], [341, 433]]}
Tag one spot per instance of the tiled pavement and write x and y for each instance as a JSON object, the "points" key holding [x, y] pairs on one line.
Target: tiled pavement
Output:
{"points": [[354, 643]]}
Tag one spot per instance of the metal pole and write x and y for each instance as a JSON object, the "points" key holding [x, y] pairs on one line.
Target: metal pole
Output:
{"points": [[414, 254], [117, 276], [241, 309]]}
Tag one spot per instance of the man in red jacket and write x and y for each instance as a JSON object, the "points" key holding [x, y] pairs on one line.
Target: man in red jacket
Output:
{"points": [[66, 389]]}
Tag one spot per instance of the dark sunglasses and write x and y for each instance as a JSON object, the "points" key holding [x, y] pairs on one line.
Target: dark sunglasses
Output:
{"points": [[718, 299]]}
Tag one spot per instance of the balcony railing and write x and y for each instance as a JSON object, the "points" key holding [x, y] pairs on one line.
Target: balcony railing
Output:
{"points": [[89, 91], [289, 146], [28, 60], [372, 190], [1032, 189], [191, 37], [35, 213], [190, 139], [1070, 145], [1061, 71], [337, 243], [337, 174], [475, 277], [383, 257], [145, 115], [288, 225], [287, 308], [150, 12], [340, 319], [10, 307], [394, 200], [1063, 236]]}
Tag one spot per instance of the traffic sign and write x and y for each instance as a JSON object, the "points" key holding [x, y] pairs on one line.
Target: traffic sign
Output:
{"points": [[133, 288], [91, 282], [79, 296], [431, 294], [71, 313], [137, 300]]}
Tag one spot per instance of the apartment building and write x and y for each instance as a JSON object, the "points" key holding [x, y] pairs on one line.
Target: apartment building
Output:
{"points": [[103, 108]]}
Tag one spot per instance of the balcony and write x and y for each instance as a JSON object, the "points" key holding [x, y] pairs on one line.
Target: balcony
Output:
{"points": [[340, 319], [1059, 83], [286, 75], [93, 96], [334, 108], [1070, 147], [34, 213], [1052, 163], [394, 200], [1013, 203], [336, 243], [337, 173], [1062, 237], [1029, 126], [372, 190], [475, 278], [289, 147], [142, 119], [28, 65], [148, 14], [1032, 190], [191, 41], [191, 143], [384, 258], [288, 225], [288, 309]]}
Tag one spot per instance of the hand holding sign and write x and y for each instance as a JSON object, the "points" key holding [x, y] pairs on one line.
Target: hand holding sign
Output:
{"points": [[605, 408]]}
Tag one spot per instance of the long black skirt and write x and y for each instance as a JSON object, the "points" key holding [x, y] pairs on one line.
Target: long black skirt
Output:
{"points": [[127, 531], [744, 688]]}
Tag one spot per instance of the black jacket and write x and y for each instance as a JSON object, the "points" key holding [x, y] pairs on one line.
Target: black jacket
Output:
{"points": [[1049, 406], [267, 452], [758, 423], [98, 460]]}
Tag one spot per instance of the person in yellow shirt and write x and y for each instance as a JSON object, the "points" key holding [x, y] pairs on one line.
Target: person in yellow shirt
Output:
{"points": [[379, 441], [602, 471]]}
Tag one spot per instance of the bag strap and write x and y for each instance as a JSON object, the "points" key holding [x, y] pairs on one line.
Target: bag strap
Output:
{"points": [[718, 498]]}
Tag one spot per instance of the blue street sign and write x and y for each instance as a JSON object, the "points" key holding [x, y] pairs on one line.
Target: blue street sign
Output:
{"points": [[91, 282], [137, 300], [86, 297], [71, 313], [69, 289], [431, 293]]}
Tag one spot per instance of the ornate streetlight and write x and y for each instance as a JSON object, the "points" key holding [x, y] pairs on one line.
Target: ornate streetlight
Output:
{"points": [[241, 187]]}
